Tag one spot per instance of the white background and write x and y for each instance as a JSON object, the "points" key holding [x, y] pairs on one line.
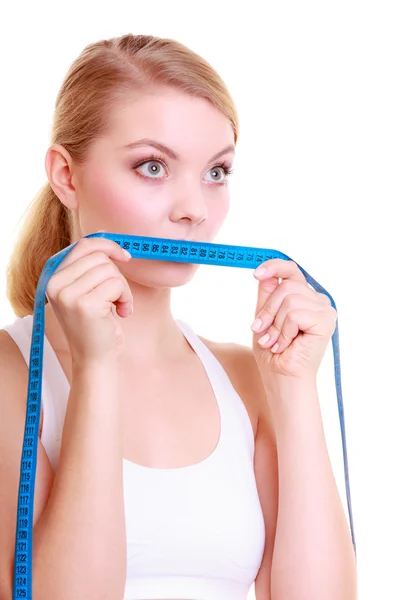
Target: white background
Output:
{"points": [[316, 177]]}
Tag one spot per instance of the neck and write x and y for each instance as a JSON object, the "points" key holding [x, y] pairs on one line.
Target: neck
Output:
{"points": [[151, 333]]}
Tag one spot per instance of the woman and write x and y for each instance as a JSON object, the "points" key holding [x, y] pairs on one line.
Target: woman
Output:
{"points": [[157, 470]]}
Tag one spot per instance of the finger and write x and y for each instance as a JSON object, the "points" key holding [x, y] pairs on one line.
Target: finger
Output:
{"points": [[288, 333], [71, 272], [103, 297], [316, 322], [287, 292], [290, 304], [269, 281], [86, 246], [70, 295], [307, 321], [278, 267]]}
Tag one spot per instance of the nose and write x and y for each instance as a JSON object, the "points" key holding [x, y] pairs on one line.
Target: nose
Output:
{"points": [[189, 204]]}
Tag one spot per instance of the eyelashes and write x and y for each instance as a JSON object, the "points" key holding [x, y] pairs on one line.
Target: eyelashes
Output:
{"points": [[228, 170], [149, 158], [225, 166]]}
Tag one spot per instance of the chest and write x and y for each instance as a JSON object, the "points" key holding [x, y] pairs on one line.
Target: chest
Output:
{"points": [[171, 417]]}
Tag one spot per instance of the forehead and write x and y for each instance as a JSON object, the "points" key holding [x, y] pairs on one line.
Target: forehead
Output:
{"points": [[176, 119]]}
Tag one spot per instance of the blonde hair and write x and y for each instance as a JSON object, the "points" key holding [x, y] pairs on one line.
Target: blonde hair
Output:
{"points": [[102, 74]]}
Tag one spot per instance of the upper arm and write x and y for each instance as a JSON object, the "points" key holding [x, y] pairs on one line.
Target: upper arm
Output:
{"points": [[13, 392]]}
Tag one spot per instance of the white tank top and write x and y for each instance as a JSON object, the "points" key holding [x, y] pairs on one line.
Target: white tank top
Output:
{"points": [[195, 532]]}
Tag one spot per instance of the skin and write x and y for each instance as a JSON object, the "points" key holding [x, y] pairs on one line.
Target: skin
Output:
{"points": [[182, 198]]}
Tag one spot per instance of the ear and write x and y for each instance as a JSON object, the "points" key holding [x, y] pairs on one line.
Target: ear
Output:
{"points": [[58, 165]]}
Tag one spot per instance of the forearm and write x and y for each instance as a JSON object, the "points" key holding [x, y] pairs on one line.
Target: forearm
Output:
{"points": [[79, 541], [313, 553]]}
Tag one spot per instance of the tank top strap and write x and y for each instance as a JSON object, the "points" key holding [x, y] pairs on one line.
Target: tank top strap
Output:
{"points": [[231, 405]]}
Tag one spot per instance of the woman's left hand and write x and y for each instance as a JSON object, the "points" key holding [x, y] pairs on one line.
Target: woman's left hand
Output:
{"points": [[297, 318]]}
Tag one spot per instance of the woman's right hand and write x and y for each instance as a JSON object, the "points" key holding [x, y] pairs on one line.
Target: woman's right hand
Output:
{"points": [[82, 292]]}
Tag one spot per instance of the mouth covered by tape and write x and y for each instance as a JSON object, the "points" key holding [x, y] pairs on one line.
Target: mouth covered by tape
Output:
{"points": [[141, 247]]}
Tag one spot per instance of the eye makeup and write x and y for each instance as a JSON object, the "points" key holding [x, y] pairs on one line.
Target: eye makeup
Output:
{"points": [[224, 165]]}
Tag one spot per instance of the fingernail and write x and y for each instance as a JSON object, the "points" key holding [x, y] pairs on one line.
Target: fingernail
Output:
{"points": [[126, 253], [256, 325], [264, 339]]}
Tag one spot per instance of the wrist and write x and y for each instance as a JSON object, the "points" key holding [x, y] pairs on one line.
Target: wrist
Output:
{"points": [[100, 369], [287, 395], [277, 384]]}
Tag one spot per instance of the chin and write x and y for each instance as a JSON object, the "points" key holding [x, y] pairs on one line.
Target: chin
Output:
{"points": [[164, 274]]}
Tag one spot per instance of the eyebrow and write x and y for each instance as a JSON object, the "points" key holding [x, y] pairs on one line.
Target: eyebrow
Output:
{"points": [[171, 153]]}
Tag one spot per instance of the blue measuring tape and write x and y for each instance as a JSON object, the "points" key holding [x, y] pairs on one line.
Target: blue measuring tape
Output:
{"points": [[139, 247]]}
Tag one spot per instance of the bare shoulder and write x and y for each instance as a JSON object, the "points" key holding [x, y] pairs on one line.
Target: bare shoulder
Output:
{"points": [[12, 362], [240, 365], [11, 356]]}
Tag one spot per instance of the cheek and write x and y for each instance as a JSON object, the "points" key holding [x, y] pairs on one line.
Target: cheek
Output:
{"points": [[118, 201], [218, 212], [113, 200]]}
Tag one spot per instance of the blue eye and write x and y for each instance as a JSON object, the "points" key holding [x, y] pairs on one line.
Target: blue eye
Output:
{"points": [[217, 174], [153, 168], [153, 164], [225, 170]]}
